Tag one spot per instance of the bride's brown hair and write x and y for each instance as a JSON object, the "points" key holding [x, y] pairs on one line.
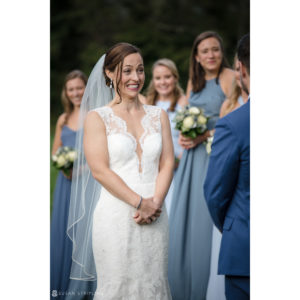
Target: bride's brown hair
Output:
{"points": [[114, 59]]}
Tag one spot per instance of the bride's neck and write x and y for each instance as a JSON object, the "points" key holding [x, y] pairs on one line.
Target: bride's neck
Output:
{"points": [[127, 104]]}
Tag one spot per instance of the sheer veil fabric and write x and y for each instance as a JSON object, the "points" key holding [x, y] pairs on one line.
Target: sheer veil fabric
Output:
{"points": [[85, 190]]}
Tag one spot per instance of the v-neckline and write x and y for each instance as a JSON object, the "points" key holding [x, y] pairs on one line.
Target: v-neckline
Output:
{"points": [[137, 140], [134, 139]]}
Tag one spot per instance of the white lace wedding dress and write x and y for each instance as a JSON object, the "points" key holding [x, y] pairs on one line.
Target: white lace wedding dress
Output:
{"points": [[131, 259]]}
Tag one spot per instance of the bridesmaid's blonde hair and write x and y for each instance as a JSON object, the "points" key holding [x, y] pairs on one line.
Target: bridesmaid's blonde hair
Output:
{"points": [[151, 93], [235, 93]]}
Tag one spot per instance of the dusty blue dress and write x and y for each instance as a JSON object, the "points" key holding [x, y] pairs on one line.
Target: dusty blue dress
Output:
{"points": [[60, 244], [165, 105], [191, 226]]}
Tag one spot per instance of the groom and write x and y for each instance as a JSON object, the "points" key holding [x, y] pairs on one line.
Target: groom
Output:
{"points": [[227, 188]]}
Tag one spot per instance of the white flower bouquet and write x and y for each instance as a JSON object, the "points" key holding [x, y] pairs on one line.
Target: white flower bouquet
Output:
{"points": [[208, 144], [64, 158], [191, 121]]}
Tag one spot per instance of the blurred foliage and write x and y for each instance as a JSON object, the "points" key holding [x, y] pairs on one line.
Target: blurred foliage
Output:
{"points": [[81, 31]]}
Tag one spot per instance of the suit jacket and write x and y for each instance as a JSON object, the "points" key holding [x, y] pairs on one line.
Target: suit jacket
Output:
{"points": [[227, 190]]}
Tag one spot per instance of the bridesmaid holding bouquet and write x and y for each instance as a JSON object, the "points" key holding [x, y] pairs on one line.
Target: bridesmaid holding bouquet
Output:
{"points": [[60, 244], [192, 250]]}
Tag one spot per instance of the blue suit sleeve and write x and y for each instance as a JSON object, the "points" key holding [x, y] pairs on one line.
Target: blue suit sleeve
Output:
{"points": [[222, 172]]}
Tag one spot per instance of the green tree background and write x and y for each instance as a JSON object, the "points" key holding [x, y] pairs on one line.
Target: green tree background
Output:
{"points": [[81, 31]]}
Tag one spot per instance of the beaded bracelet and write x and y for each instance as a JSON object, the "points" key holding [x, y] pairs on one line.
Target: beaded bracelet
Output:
{"points": [[139, 205]]}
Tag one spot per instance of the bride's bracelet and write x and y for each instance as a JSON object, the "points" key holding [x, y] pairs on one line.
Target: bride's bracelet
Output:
{"points": [[139, 205]]}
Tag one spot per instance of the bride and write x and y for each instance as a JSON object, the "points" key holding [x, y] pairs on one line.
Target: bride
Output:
{"points": [[117, 221]]}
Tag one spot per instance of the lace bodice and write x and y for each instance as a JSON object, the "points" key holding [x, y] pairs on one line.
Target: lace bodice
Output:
{"points": [[122, 145]]}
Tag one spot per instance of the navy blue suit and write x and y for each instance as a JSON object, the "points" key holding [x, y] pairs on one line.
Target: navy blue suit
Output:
{"points": [[227, 193]]}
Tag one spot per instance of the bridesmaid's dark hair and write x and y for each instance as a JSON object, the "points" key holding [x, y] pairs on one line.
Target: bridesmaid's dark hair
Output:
{"points": [[114, 59], [67, 104], [196, 71]]}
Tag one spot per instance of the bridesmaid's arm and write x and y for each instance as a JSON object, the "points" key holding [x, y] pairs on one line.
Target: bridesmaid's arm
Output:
{"points": [[57, 140], [188, 89], [97, 156], [226, 79], [183, 101], [224, 108], [166, 164]]}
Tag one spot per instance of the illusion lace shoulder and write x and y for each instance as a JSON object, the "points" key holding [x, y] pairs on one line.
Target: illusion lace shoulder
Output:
{"points": [[131, 259]]}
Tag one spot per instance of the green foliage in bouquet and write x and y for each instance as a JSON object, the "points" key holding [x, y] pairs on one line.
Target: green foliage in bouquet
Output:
{"points": [[191, 121], [64, 158]]}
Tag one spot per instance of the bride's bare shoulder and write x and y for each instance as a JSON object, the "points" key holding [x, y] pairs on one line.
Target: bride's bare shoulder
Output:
{"points": [[94, 119]]}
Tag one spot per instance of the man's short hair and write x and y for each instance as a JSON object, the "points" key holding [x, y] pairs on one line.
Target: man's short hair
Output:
{"points": [[243, 51]]}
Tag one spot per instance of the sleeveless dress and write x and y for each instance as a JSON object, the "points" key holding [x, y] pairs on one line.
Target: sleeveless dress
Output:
{"points": [[131, 259], [165, 105], [191, 226], [60, 244]]}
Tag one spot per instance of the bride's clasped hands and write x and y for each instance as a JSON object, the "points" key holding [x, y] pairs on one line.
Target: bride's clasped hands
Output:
{"points": [[149, 211]]}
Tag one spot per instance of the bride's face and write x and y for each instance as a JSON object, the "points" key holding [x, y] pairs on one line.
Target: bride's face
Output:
{"points": [[132, 76]]}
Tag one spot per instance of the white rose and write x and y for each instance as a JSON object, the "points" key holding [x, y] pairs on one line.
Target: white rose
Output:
{"points": [[194, 110], [71, 156], [208, 148], [188, 122], [54, 157], [202, 120], [179, 118], [60, 161]]}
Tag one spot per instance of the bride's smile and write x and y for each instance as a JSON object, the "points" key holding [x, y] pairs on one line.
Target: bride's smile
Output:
{"points": [[131, 79]]}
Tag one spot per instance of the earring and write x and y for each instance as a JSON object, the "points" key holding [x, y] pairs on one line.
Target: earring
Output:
{"points": [[111, 84]]}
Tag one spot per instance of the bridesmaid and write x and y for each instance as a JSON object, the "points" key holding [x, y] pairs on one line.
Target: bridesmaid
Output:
{"points": [[191, 252], [60, 244], [164, 91]]}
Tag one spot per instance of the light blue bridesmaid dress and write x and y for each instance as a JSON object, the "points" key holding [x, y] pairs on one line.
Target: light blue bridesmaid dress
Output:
{"points": [[240, 100], [191, 227], [165, 105], [60, 244]]}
